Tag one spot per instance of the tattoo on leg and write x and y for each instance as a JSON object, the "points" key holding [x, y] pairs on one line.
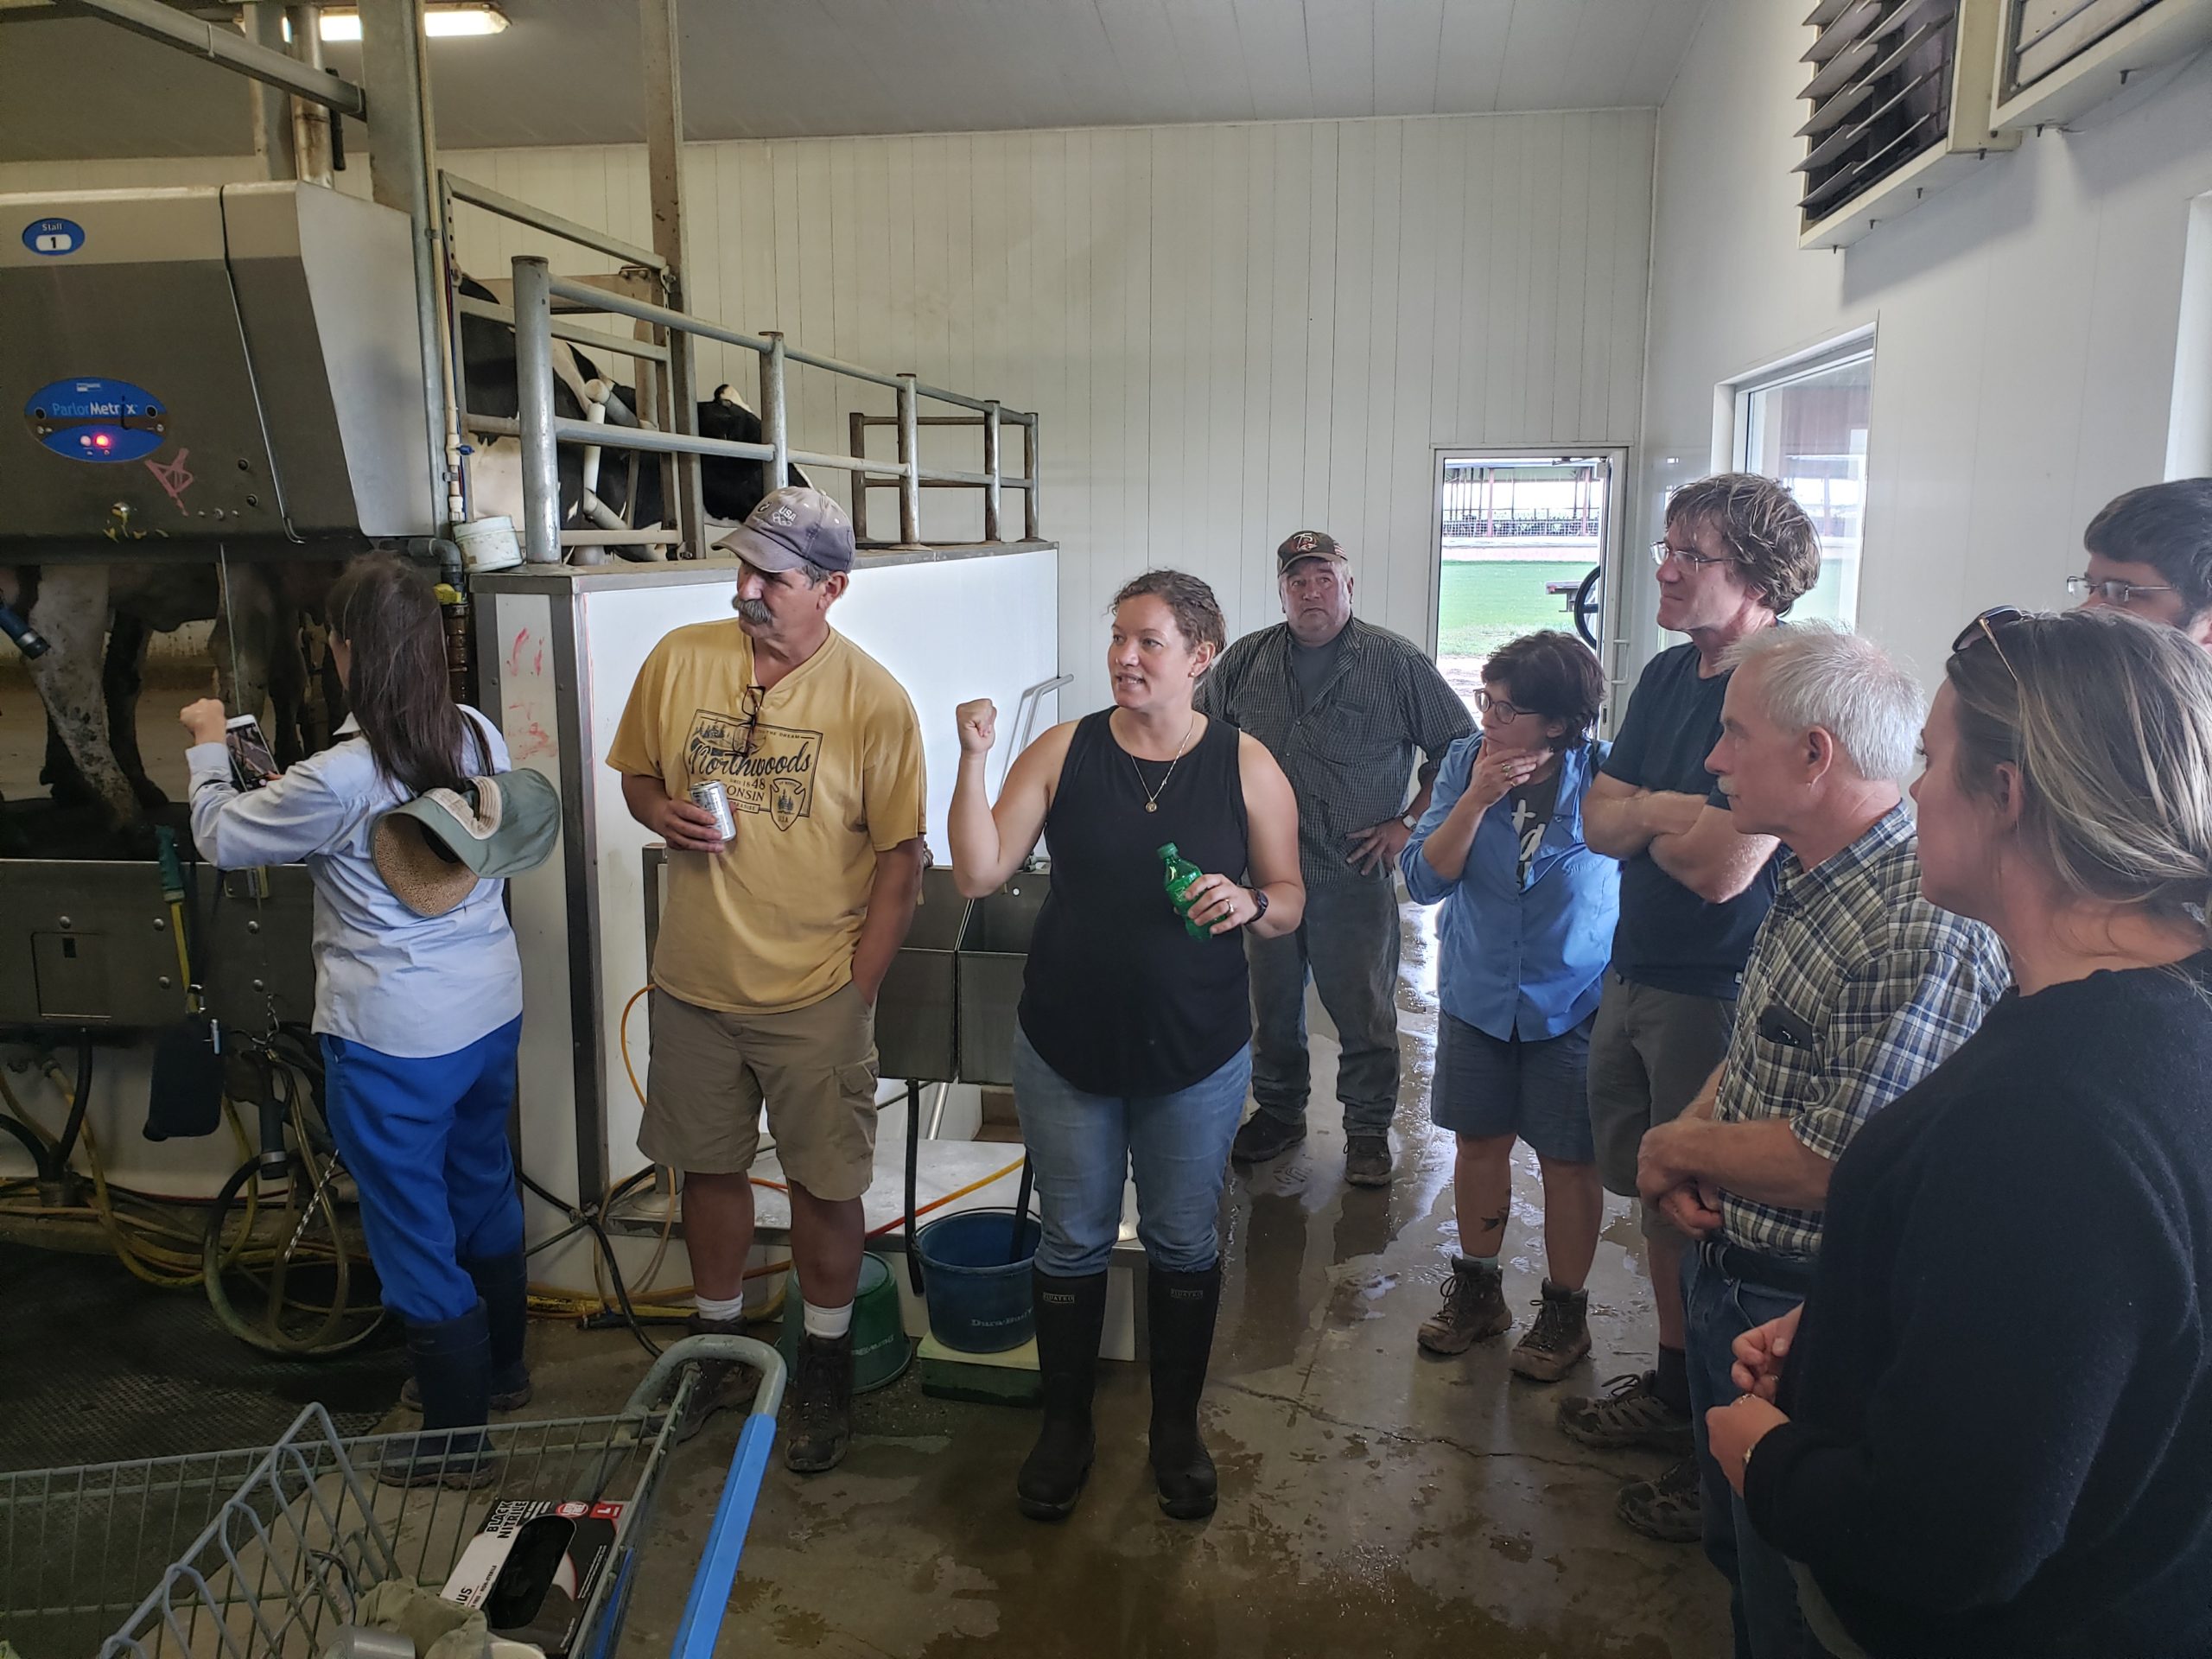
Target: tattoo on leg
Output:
{"points": [[1494, 1223]]}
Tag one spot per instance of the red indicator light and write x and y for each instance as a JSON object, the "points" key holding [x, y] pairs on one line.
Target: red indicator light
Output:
{"points": [[102, 440]]}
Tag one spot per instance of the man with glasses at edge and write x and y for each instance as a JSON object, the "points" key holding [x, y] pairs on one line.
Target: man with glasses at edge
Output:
{"points": [[773, 944], [1738, 552], [2151, 554]]}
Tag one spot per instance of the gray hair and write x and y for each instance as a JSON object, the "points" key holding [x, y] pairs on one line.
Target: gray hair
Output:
{"points": [[1818, 675]]}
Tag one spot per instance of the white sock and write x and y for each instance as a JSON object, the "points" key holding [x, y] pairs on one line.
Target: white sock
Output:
{"points": [[829, 1323], [720, 1310]]}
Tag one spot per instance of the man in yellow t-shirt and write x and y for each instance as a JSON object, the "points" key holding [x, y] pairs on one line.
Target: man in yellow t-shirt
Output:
{"points": [[773, 944]]}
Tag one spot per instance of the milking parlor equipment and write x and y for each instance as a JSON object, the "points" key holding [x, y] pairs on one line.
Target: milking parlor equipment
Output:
{"points": [[263, 376]]}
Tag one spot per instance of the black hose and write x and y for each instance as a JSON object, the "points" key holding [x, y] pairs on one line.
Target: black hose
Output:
{"points": [[66, 1146], [589, 1218], [42, 1155], [913, 1178]]}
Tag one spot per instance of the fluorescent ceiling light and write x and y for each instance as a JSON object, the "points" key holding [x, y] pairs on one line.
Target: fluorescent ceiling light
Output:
{"points": [[344, 23]]}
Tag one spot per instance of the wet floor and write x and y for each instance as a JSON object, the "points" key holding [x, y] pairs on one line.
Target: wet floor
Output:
{"points": [[1374, 1500]]}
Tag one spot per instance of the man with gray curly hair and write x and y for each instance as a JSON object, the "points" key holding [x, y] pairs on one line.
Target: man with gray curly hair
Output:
{"points": [[1856, 989]]}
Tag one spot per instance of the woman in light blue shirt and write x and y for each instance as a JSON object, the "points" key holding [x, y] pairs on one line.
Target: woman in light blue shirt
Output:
{"points": [[1526, 933], [419, 1015]]}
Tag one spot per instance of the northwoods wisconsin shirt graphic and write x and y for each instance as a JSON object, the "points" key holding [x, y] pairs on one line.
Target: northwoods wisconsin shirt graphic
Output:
{"points": [[777, 777]]}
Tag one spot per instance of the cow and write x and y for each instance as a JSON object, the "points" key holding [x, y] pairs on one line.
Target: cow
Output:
{"points": [[593, 493], [98, 617]]}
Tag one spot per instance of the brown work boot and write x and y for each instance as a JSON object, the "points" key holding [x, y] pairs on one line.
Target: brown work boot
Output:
{"points": [[1630, 1414], [821, 1405], [1474, 1309], [1558, 1338], [1670, 1509], [721, 1384], [1367, 1160]]}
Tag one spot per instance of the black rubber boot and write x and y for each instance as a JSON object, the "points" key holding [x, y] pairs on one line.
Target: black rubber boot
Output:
{"points": [[1182, 1307], [453, 1369], [504, 1283], [1071, 1319]]}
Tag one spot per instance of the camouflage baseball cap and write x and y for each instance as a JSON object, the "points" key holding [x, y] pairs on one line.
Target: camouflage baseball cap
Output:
{"points": [[792, 526]]}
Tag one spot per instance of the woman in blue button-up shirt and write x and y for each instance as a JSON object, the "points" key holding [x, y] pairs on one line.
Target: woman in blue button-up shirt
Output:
{"points": [[1527, 929], [420, 1016]]}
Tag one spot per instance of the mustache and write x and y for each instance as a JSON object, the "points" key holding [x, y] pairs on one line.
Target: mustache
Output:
{"points": [[753, 610]]}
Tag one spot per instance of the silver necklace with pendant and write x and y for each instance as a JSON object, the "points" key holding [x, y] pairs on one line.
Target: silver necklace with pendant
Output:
{"points": [[1152, 795]]}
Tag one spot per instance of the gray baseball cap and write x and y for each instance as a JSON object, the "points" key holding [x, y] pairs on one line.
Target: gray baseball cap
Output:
{"points": [[793, 526]]}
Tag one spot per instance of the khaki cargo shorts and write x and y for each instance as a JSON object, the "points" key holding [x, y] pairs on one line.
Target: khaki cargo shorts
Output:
{"points": [[813, 1067]]}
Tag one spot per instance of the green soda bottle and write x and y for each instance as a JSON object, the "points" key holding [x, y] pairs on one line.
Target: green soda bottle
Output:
{"points": [[1181, 873]]}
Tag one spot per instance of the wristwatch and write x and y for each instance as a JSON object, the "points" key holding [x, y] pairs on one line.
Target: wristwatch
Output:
{"points": [[1260, 900], [1412, 820]]}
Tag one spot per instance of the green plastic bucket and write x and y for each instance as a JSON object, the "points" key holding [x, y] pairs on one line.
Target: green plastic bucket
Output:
{"points": [[881, 1351]]}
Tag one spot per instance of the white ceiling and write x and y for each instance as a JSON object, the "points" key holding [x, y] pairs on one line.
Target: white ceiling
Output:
{"points": [[566, 72]]}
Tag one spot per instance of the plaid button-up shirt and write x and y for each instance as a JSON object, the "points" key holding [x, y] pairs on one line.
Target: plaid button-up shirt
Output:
{"points": [[1350, 755], [1857, 989]]}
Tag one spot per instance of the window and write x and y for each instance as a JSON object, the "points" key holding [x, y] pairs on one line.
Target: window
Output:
{"points": [[1806, 426]]}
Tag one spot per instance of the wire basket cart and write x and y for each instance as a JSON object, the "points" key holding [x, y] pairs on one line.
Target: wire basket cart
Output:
{"points": [[266, 1554]]}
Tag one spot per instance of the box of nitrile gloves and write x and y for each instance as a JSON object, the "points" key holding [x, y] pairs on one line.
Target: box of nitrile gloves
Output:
{"points": [[531, 1568]]}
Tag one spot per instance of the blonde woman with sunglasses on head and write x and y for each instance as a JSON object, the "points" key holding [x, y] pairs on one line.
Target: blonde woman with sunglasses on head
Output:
{"points": [[1989, 1429]]}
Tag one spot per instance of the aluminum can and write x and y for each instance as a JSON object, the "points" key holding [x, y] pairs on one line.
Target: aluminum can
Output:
{"points": [[715, 798]]}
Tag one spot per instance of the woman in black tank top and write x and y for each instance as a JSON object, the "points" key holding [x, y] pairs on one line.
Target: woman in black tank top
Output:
{"points": [[1134, 1048]]}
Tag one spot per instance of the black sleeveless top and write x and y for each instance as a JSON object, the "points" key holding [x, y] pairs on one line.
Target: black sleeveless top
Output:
{"points": [[1118, 998]]}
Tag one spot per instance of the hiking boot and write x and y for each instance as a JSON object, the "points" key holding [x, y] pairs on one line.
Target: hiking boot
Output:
{"points": [[1670, 1509], [1558, 1338], [1367, 1160], [721, 1384], [821, 1405], [1474, 1309], [1631, 1413], [1264, 1136]]}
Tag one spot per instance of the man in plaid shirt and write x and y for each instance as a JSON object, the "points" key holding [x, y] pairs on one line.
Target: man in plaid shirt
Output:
{"points": [[1857, 987]]}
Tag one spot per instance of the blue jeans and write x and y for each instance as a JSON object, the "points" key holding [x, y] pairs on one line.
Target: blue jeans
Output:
{"points": [[1083, 1148], [426, 1142], [1761, 1593]]}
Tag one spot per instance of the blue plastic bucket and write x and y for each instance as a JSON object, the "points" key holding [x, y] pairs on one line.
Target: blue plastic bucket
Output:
{"points": [[978, 1300]]}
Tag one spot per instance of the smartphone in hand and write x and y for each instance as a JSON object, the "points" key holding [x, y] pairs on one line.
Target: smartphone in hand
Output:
{"points": [[252, 762]]}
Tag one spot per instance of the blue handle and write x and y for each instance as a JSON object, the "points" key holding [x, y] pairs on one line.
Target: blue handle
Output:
{"points": [[703, 1607]]}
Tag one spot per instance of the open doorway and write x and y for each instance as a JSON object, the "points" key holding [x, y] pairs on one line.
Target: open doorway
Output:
{"points": [[1522, 540]]}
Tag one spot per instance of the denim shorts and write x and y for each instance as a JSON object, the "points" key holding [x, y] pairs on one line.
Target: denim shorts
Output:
{"points": [[1537, 1089]]}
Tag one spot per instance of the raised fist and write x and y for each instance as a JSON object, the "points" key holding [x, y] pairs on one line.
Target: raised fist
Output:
{"points": [[979, 726]]}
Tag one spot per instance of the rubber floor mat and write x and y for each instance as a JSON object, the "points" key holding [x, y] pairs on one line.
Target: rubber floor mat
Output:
{"points": [[97, 1367]]}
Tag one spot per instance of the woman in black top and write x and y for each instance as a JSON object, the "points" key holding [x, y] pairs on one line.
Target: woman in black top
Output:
{"points": [[1998, 1437], [1134, 1048]]}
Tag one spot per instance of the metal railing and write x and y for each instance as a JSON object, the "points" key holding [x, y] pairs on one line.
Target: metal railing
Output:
{"points": [[543, 431]]}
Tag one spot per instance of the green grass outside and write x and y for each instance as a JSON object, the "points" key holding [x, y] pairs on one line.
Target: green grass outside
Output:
{"points": [[1483, 605]]}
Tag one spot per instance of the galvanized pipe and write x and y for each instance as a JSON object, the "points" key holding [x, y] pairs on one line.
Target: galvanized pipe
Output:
{"points": [[541, 477], [567, 229], [622, 305], [775, 419], [311, 149], [1029, 467], [231, 50], [655, 442], [856, 430], [991, 466], [910, 459], [851, 370], [563, 329]]}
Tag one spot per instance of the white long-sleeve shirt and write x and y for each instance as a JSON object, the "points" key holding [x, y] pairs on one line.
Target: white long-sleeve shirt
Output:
{"points": [[413, 987]]}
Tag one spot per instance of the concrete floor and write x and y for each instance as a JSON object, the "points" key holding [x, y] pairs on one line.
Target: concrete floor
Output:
{"points": [[1373, 1499]]}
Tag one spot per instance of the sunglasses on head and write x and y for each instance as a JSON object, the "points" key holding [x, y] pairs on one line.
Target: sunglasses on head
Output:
{"points": [[1988, 626]]}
